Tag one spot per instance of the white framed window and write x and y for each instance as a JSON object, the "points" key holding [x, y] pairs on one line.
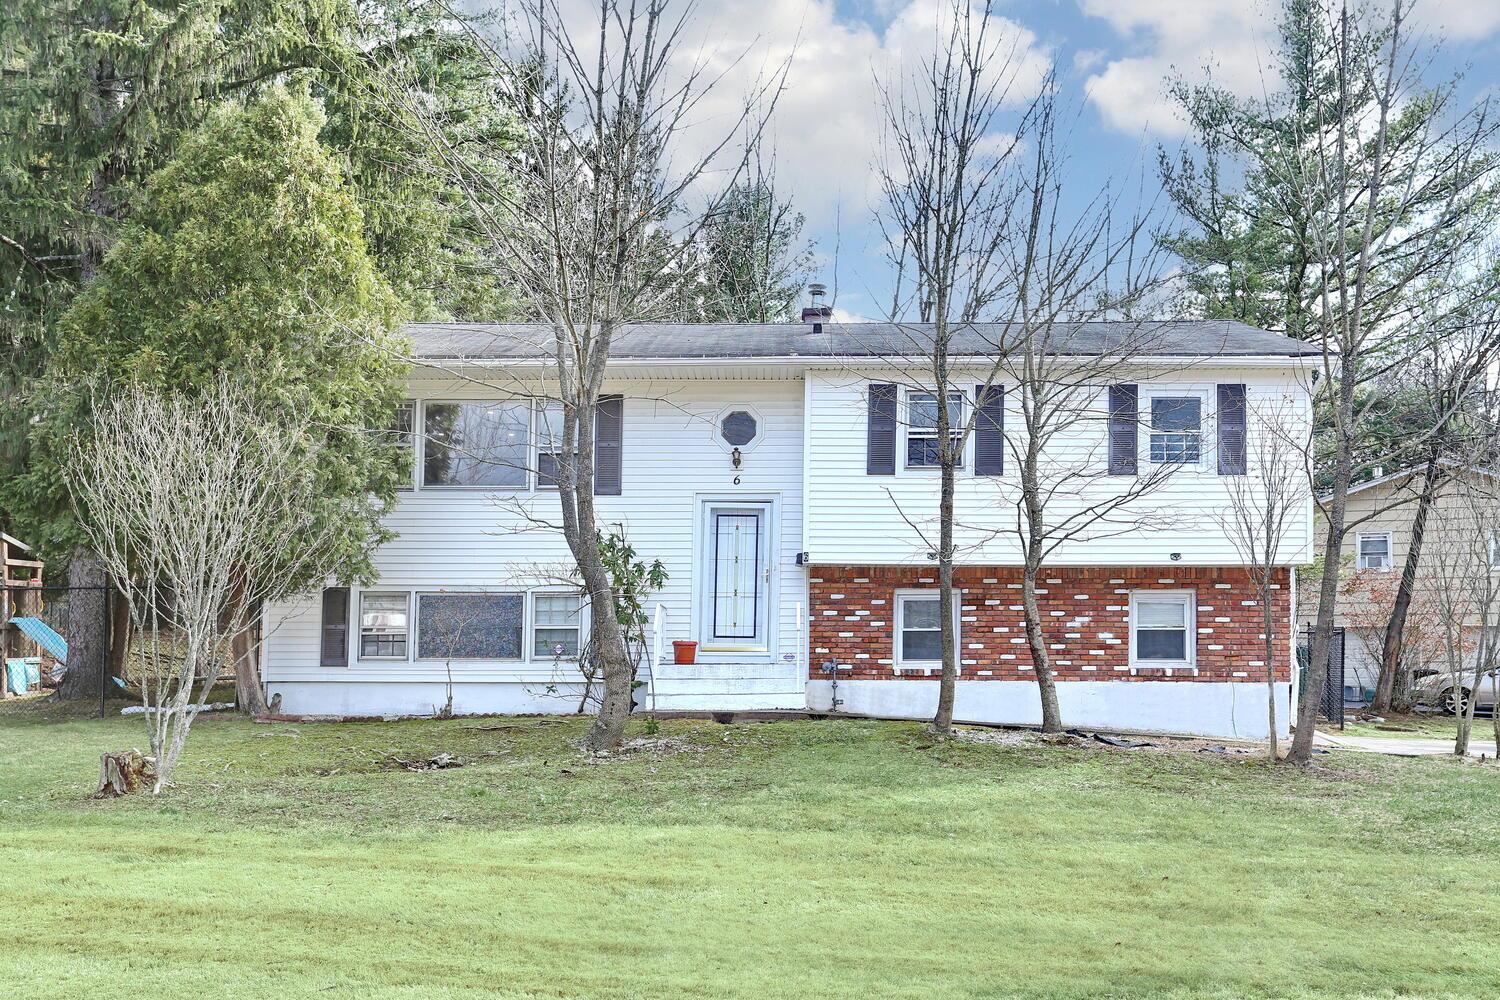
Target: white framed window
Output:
{"points": [[1495, 550], [1373, 550], [384, 625], [473, 626], [1162, 628], [556, 625], [922, 427], [1175, 426], [479, 443], [919, 632]]}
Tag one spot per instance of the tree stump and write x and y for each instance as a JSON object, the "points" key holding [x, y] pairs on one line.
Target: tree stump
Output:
{"points": [[123, 773]]}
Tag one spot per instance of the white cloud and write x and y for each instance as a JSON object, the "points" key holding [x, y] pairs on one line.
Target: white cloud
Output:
{"points": [[827, 122], [1460, 20], [1183, 38], [1235, 37]]}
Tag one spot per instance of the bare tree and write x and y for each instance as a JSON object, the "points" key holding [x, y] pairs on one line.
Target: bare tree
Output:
{"points": [[590, 226], [196, 508], [1264, 506], [997, 280], [1390, 279], [1075, 451], [1467, 586], [946, 189], [1445, 380]]}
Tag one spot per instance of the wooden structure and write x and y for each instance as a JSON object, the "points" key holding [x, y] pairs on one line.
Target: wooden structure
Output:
{"points": [[20, 595]]}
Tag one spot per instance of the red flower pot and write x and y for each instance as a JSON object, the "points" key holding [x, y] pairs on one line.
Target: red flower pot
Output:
{"points": [[684, 651]]}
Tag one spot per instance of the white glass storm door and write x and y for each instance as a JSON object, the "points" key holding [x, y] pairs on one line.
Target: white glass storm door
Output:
{"points": [[736, 574]]}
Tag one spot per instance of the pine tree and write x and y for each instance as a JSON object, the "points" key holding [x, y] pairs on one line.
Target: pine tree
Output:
{"points": [[244, 257]]}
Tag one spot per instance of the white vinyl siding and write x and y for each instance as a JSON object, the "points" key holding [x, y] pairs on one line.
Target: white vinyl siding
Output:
{"points": [[858, 519], [475, 539]]}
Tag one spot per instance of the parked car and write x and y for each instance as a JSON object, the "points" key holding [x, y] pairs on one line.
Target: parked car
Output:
{"points": [[1441, 689]]}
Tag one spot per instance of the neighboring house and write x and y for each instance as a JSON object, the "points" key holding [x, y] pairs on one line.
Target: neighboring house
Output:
{"points": [[1372, 559], [777, 470]]}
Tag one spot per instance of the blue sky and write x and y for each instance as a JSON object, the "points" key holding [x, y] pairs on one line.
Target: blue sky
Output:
{"points": [[1113, 56]]}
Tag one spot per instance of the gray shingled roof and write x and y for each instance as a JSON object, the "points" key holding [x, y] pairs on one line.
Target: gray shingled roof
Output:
{"points": [[667, 341]]}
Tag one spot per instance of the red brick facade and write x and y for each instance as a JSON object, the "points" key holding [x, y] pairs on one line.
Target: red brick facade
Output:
{"points": [[1087, 611]]}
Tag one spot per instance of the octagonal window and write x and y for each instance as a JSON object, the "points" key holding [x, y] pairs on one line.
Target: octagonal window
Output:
{"points": [[737, 428]]}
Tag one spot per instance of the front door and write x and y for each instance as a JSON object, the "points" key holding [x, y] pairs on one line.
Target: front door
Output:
{"points": [[735, 570]]}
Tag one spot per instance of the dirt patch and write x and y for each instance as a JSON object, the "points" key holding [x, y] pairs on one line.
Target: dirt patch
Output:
{"points": [[436, 762], [996, 737], [658, 747]]}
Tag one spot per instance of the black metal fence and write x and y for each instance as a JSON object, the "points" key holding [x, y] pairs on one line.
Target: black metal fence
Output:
{"points": [[1331, 697], [45, 670]]}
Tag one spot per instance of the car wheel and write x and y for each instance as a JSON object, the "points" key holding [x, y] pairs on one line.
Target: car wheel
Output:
{"points": [[1456, 700]]}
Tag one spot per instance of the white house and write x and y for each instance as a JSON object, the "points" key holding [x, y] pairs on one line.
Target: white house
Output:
{"points": [[780, 472]]}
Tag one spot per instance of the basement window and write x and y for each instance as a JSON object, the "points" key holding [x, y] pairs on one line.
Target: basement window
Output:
{"points": [[1162, 628], [383, 626], [919, 636], [556, 624], [470, 626]]}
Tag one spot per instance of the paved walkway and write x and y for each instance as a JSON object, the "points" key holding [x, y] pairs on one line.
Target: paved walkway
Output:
{"points": [[1398, 746]]}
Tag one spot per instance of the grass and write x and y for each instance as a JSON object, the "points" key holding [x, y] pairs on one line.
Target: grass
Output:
{"points": [[1439, 727], [779, 860]]}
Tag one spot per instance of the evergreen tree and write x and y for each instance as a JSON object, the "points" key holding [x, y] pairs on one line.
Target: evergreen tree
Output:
{"points": [[752, 258], [245, 255]]}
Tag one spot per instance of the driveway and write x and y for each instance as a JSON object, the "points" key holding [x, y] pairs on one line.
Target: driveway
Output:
{"points": [[1397, 746]]}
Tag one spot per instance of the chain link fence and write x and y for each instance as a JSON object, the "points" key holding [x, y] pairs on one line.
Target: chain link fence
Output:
{"points": [[1331, 697], [47, 672]]}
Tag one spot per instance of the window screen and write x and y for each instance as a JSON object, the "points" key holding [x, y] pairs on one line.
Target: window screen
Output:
{"points": [[470, 626]]}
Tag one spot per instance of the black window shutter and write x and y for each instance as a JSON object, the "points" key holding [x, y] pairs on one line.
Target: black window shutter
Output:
{"points": [[989, 430], [335, 642], [1123, 413], [1232, 429], [880, 431], [609, 425]]}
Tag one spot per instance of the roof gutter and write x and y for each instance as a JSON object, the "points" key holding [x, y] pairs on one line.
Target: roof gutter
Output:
{"points": [[848, 361]]}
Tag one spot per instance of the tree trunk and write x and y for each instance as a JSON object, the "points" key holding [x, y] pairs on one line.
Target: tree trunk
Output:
{"points": [[87, 635], [1466, 717], [119, 637], [1269, 635], [617, 698], [1390, 652], [1041, 661], [942, 721], [1328, 590], [249, 694], [1322, 641]]}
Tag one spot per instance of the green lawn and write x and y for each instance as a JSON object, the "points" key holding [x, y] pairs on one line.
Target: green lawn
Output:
{"points": [[817, 859], [1439, 727]]}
